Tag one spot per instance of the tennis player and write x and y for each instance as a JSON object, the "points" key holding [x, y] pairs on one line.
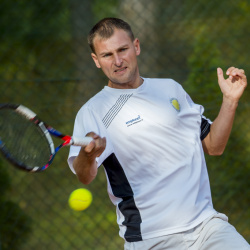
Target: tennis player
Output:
{"points": [[151, 138]]}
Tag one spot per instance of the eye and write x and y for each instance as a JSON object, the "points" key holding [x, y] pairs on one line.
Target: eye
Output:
{"points": [[123, 49], [106, 55]]}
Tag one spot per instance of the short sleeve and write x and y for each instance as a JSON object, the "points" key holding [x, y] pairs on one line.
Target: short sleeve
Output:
{"points": [[205, 122], [87, 121]]}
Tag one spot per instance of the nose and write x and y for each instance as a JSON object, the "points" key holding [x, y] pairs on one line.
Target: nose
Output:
{"points": [[117, 61]]}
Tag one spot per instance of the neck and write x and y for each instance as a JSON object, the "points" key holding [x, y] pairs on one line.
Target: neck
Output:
{"points": [[130, 85]]}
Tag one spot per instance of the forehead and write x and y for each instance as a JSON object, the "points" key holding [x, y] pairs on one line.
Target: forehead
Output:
{"points": [[119, 39]]}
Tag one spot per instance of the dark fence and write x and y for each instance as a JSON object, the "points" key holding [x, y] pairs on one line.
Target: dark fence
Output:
{"points": [[45, 64]]}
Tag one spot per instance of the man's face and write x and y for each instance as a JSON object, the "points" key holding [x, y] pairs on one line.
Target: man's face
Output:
{"points": [[117, 57]]}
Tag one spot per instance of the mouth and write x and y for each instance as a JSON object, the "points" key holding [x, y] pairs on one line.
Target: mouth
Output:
{"points": [[120, 70]]}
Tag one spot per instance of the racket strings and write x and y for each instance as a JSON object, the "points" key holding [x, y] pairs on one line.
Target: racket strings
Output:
{"points": [[23, 141]]}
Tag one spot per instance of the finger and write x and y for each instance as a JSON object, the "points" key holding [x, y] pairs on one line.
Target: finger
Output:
{"points": [[101, 147], [220, 75], [90, 146], [93, 135], [236, 74], [232, 70], [229, 70], [100, 143], [242, 71], [96, 146]]}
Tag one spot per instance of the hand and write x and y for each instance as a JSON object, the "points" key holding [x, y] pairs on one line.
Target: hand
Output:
{"points": [[96, 146], [85, 163], [233, 87]]}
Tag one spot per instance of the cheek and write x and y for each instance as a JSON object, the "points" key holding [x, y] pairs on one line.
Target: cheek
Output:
{"points": [[133, 60], [106, 67], [132, 57]]}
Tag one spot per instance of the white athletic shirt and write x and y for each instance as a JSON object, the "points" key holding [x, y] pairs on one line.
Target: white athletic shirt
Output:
{"points": [[154, 161]]}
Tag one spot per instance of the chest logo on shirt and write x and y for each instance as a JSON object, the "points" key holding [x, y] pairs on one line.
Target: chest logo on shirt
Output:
{"points": [[134, 121], [175, 104]]}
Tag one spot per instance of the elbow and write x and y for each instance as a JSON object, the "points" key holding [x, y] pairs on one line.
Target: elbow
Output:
{"points": [[85, 181], [84, 178], [87, 176], [216, 152]]}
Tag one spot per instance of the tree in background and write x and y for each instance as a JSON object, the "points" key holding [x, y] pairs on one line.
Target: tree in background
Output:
{"points": [[229, 173], [46, 65], [11, 237]]}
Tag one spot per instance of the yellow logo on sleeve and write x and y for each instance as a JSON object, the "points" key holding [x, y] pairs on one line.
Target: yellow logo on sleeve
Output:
{"points": [[175, 104]]}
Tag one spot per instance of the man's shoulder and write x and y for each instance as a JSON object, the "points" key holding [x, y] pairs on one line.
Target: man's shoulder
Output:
{"points": [[95, 100], [92, 104], [161, 81]]}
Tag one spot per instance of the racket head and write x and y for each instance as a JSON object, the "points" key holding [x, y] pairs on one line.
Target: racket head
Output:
{"points": [[24, 139]]}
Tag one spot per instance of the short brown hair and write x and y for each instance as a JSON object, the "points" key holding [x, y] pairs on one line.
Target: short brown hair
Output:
{"points": [[105, 29]]}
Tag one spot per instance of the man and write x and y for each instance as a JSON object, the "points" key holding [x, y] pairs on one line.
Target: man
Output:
{"points": [[151, 138]]}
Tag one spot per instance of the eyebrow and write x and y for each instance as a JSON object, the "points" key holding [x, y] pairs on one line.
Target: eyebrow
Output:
{"points": [[109, 52]]}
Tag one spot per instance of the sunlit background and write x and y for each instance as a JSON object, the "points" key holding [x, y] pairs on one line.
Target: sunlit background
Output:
{"points": [[45, 64]]}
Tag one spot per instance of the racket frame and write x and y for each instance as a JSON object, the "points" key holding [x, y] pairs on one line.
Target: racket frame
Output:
{"points": [[47, 130]]}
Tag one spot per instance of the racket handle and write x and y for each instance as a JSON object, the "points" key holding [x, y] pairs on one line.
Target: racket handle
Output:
{"points": [[81, 141]]}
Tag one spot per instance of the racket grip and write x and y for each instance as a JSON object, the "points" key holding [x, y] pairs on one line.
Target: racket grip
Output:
{"points": [[81, 141]]}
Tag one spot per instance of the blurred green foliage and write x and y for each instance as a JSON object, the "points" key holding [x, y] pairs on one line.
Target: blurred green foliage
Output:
{"points": [[15, 224], [45, 64]]}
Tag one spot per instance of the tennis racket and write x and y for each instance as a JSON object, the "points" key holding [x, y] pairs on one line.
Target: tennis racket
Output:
{"points": [[26, 141]]}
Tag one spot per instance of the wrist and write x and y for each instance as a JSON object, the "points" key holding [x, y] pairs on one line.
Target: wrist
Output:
{"points": [[230, 103]]}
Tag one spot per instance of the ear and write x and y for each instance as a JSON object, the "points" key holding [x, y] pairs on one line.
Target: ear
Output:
{"points": [[137, 46], [93, 55]]}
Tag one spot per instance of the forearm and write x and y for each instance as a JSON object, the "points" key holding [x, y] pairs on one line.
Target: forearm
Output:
{"points": [[85, 163], [220, 130], [232, 89], [85, 167]]}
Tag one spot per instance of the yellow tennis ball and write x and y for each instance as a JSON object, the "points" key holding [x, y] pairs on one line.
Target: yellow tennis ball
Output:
{"points": [[80, 199]]}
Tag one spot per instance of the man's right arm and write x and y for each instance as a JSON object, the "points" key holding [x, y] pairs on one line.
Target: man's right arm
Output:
{"points": [[85, 164]]}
